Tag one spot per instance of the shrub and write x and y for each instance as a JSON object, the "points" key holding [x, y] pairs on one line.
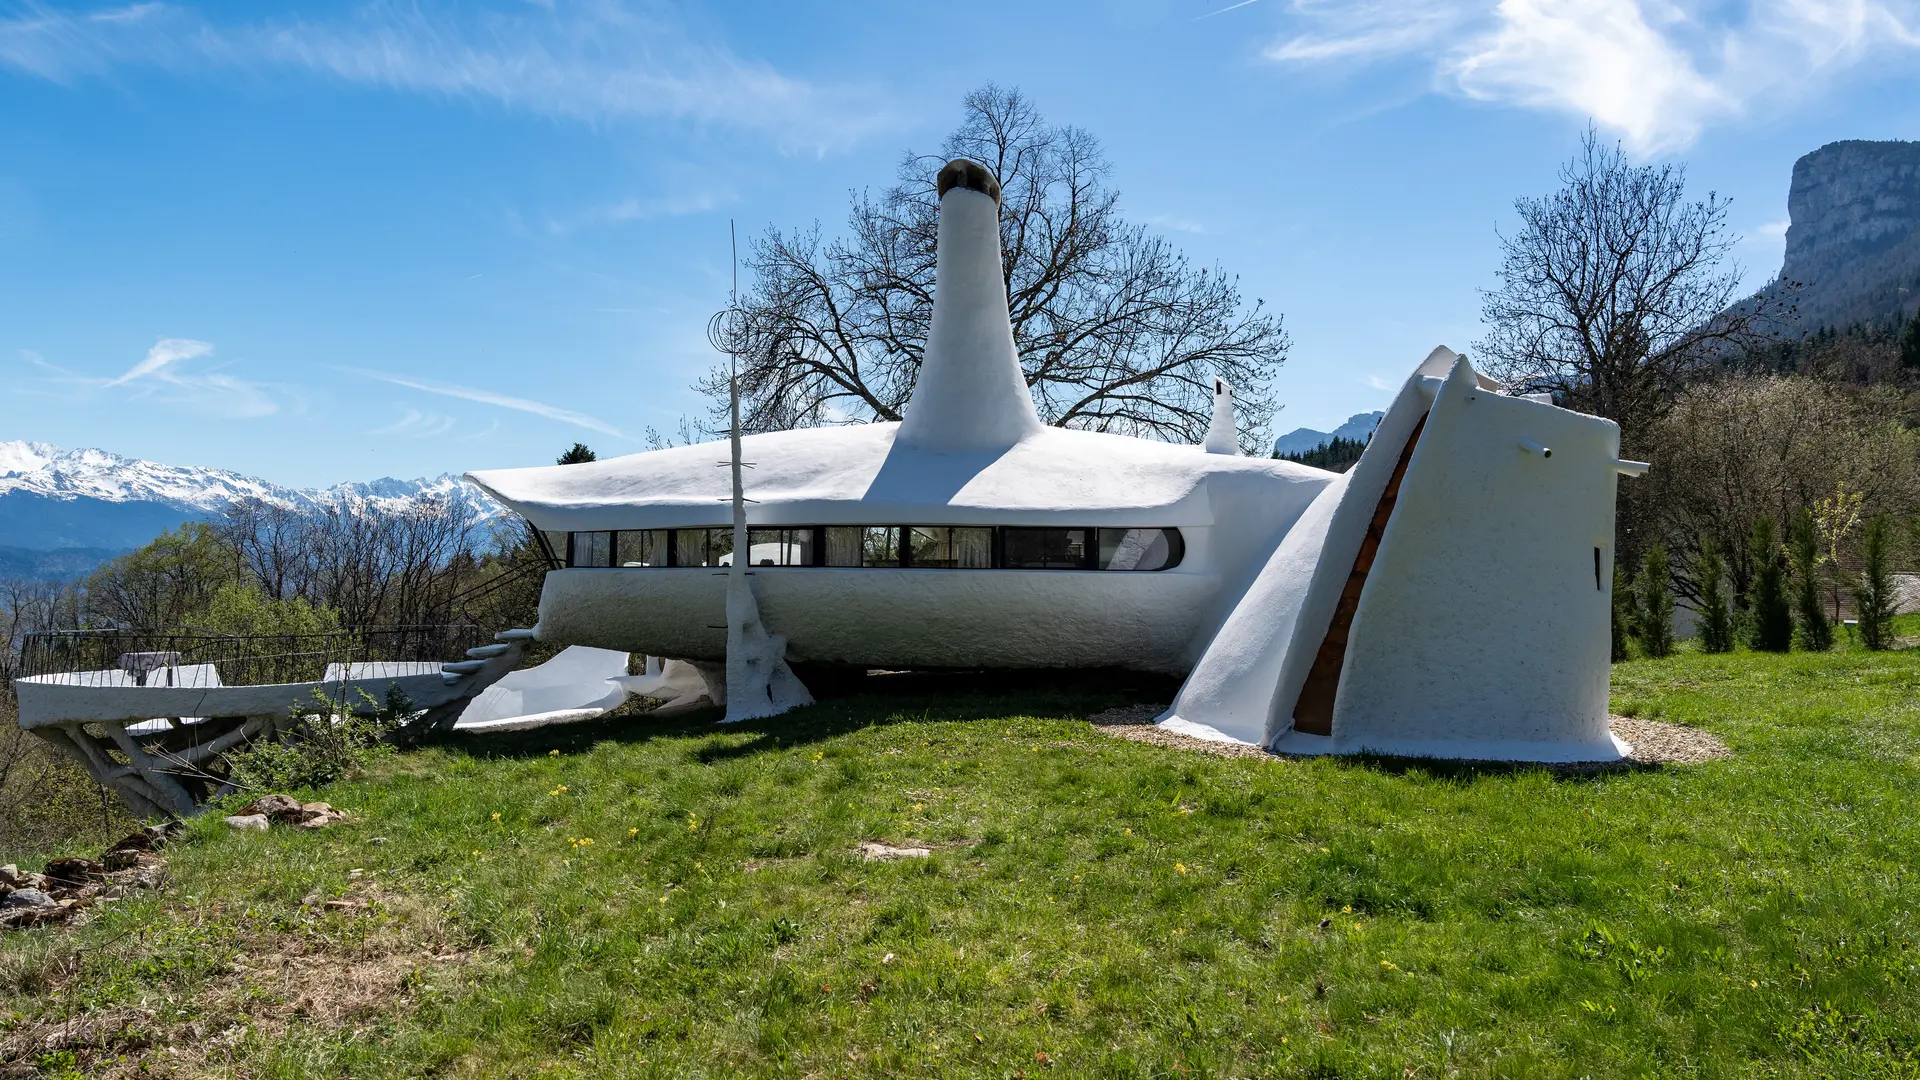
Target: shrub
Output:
{"points": [[1873, 594], [1654, 620], [1771, 626], [1813, 631], [326, 740], [1716, 628], [1623, 606]]}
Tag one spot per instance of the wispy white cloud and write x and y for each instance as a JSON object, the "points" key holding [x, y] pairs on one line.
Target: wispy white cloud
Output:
{"points": [[598, 61], [1376, 382], [1174, 222], [1657, 73], [418, 425], [504, 401], [1222, 11], [483, 434], [165, 353], [165, 376], [644, 208]]}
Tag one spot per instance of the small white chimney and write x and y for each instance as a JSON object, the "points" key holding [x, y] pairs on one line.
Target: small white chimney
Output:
{"points": [[1223, 436], [971, 394]]}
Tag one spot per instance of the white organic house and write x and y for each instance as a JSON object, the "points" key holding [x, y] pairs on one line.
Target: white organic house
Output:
{"points": [[1449, 596]]}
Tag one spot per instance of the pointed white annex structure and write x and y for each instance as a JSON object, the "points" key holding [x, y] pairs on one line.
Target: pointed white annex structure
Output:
{"points": [[1223, 435], [1447, 597], [971, 394]]}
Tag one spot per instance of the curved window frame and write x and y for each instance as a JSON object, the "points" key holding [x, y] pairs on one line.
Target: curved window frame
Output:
{"points": [[1037, 548]]}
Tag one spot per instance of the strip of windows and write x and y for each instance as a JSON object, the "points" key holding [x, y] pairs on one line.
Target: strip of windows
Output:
{"points": [[931, 547]]}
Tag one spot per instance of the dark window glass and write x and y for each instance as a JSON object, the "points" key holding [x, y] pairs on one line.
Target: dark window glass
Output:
{"points": [[640, 547], [843, 545], [592, 549], [946, 547], [558, 543], [702, 547], [1045, 549], [880, 546], [690, 547], [781, 547], [1139, 549]]}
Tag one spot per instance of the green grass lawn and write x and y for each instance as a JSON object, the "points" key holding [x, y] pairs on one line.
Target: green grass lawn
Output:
{"points": [[680, 899]]}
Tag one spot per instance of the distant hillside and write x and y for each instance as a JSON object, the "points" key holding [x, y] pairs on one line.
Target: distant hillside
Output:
{"points": [[1359, 427], [59, 565], [60, 503], [1853, 241]]}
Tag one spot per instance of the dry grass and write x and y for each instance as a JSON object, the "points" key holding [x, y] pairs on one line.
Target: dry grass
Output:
{"points": [[356, 961], [1654, 742]]}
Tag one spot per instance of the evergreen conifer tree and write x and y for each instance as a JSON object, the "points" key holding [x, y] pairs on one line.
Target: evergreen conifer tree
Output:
{"points": [[1716, 627], [1910, 345], [1623, 605], [1813, 631], [1654, 618], [578, 454], [1873, 595], [1771, 628]]}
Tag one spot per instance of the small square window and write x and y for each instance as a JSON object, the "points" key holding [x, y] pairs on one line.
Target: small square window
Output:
{"points": [[781, 547], [592, 549], [944, 547], [843, 545], [1046, 549], [880, 546], [640, 547]]}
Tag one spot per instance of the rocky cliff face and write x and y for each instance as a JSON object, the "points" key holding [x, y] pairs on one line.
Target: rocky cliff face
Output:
{"points": [[1854, 241]]}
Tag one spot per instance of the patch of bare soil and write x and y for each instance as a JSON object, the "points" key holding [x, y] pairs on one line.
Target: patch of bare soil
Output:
{"points": [[357, 960], [1654, 742], [1135, 722]]}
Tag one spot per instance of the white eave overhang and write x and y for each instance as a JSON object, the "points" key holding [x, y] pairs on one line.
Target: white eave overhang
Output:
{"points": [[856, 476]]}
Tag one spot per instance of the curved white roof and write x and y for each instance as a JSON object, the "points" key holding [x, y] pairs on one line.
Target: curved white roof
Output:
{"points": [[858, 476]]}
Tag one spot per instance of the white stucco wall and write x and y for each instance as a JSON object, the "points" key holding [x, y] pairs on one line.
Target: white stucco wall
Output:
{"points": [[1482, 631], [1245, 683], [895, 618]]}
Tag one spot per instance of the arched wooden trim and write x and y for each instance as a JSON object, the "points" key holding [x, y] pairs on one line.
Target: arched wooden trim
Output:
{"points": [[1313, 711]]}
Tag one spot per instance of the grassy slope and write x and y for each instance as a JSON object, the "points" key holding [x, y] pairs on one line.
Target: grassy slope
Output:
{"points": [[1121, 909]]}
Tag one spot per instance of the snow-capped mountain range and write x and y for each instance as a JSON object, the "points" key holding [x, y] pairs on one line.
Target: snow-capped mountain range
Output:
{"points": [[52, 498]]}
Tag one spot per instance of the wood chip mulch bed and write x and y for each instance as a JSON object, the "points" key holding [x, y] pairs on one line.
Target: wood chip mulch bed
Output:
{"points": [[1654, 743]]}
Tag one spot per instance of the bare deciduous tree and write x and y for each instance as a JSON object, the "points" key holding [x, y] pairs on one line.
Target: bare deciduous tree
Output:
{"points": [[1116, 330], [1616, 289], [370, 564], [1734, 449]]}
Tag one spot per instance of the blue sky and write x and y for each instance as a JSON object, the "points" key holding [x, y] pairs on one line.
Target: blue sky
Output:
{"points": [[328, 241]]}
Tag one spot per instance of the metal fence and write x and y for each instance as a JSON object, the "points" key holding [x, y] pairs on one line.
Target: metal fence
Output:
{"points": [[193, 657]]}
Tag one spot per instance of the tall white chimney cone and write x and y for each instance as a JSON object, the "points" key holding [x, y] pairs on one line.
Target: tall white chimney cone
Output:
{"points": [[1223, 436], [971, 394]]}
